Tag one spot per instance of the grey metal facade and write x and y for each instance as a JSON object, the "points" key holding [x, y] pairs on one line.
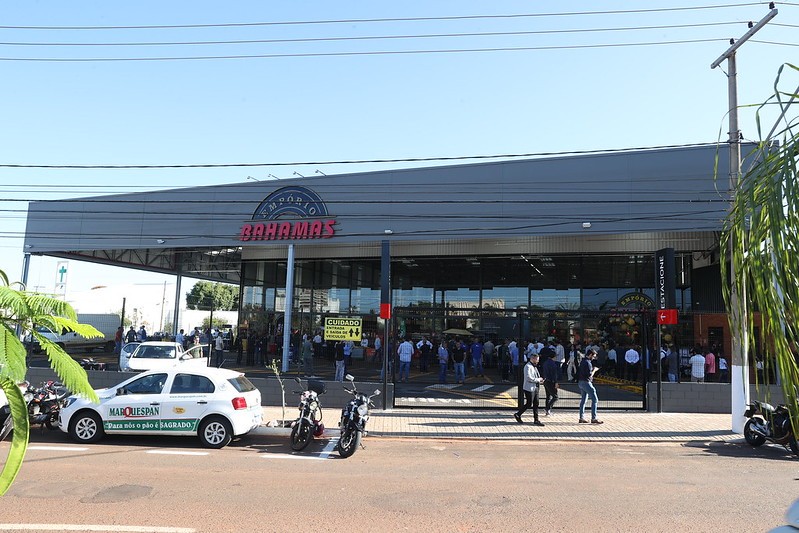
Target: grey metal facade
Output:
{"points": [[633, 201]]}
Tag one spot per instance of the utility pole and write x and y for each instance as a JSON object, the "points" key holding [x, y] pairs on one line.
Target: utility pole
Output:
{"points": [[740, 346]]}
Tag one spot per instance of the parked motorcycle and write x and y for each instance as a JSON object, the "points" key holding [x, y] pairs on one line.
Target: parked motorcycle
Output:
{"points": [[353, 419], [90, 364], [309, 422], [44, 403], [768, 423]]}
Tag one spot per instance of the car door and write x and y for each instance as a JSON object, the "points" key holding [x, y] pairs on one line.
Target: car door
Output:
{"points": [[136, 408], [186, 403], [193, 357]]}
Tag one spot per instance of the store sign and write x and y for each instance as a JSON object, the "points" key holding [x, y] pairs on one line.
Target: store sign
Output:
{"points": [[667, 317], [637, 298], [294, 202], [665, 284]]}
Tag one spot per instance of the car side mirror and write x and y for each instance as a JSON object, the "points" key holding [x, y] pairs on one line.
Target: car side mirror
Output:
{"points": [[186, 356], [377, 392], [122, 391], [349, 377]]}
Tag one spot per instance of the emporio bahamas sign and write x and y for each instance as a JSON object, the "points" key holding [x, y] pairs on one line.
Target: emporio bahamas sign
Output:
{"points": [[306, 209]]}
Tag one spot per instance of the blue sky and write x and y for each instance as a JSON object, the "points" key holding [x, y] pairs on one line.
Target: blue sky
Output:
{"points": [[374, 106]]}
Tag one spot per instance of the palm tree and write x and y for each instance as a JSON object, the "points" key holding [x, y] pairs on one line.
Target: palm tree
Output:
{"points": [[24, 310], [761, 237]]}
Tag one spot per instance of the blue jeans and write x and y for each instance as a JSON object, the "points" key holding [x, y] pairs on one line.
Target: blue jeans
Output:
{"points": [[586, 389], [477, 366], [405, 369], [460, 373], [442, 372], [339, 371], [672, 378]]}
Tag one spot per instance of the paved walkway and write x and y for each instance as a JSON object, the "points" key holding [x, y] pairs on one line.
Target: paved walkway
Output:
{"points": [[462, 424]]}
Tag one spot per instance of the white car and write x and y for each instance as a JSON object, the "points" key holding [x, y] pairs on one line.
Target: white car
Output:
{"points": [[157, 355], [214, 404], [124, 355]]}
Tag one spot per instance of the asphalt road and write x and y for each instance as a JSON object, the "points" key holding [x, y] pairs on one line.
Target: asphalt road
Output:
{"points": [[257, 484]]}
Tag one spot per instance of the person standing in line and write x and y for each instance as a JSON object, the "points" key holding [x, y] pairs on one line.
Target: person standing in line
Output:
{"points": [[458, 358], [631, 360], [443, 362], [613, 363], [378, 356], [723, 370], [503, 356], [219, 346], [130, 336], [348, 345], [477, 358], [142, 335], [697, 367], [532, 379], [425, 348], [585, 381], [488, 353], [560, 356], [672, 365], [550, 375], [118, 339], [405, 352], [710, 366], [514, 360], [339, 359], [180, 338], [307, 356], [317, 345]]}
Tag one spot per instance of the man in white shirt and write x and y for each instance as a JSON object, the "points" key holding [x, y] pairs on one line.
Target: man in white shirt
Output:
{"points": [[405, 352], [697, 367], [631, 360], [613, 362]]}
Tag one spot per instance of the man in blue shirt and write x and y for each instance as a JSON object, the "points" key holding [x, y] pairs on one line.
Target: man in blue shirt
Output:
{"points": [[550, 374], [585, 379], [477, 358]]}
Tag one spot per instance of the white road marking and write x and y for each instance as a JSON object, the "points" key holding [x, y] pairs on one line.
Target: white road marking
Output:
{"points": [[441, 386], [57, 448], [289, 456], [432, 400], [170, 452], [329, 448], [94, 527], [482, 388]]}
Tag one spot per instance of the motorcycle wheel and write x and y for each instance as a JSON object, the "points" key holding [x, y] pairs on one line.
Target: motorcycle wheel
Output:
{"points": [[349, 442], [751, 437], [794, 446], [301, 435]]}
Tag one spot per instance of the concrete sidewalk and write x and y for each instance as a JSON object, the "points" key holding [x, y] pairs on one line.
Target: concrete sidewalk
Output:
{"points": [[500, 425]]}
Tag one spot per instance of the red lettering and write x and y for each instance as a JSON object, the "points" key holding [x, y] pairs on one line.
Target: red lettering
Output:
{"points": [[300, 230], [285, 230], [246, 231], [316, 229], [271, 229], [258, 232], [329, 230]]}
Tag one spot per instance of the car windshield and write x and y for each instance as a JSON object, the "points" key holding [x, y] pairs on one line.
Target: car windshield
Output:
{"points": [[241, 384], [155, 352]]}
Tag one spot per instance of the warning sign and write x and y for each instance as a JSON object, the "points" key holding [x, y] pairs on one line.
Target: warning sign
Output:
{"points": [[343, 329]]}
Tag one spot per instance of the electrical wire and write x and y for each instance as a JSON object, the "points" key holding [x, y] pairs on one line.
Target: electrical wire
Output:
{"points": [[353, 54], [393, 19], [365, 161], [380, 37]]}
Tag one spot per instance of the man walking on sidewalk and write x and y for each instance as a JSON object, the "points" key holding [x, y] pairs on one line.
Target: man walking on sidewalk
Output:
{"points": [[585, 380], [530, 387], [550, 372]]}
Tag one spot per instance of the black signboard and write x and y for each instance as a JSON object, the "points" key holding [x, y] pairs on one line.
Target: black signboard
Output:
{"points": [[665, 283]]}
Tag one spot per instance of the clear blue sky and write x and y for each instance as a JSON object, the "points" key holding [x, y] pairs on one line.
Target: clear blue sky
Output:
{"points": [[349, 107]]}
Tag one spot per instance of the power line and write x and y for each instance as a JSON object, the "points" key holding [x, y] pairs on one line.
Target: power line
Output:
{"points": [[365, 161], [380, 37], [394, 19], [352, 54]]}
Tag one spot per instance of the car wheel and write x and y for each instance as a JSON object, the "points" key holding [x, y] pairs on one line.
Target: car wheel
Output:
{"points": [[86, 427], [215, 432]]}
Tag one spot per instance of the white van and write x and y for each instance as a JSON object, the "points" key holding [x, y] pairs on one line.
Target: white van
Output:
{"points": [[105, 323]]}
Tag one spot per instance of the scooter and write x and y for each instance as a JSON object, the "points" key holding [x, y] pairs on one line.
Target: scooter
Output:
{"points": [[44, 403], [309, 422], [90, 364], [353, 419], [769, 423]]}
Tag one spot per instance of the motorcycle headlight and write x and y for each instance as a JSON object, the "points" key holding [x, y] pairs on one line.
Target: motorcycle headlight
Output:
{"points": [[314, 406], [363, 409]]}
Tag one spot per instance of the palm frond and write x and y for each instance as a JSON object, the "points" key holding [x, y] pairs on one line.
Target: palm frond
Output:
{"points": [[69, 371], [19, 444], [12, 355]]}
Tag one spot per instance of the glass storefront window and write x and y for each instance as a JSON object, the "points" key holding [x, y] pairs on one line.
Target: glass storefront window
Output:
{"points": [[417, 297], [555, 299], [505, 298], [600, 298], [461, 302], [366, 301]]}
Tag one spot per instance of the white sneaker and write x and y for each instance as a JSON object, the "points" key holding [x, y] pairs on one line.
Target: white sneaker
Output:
{"points": [[547, 413]]}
